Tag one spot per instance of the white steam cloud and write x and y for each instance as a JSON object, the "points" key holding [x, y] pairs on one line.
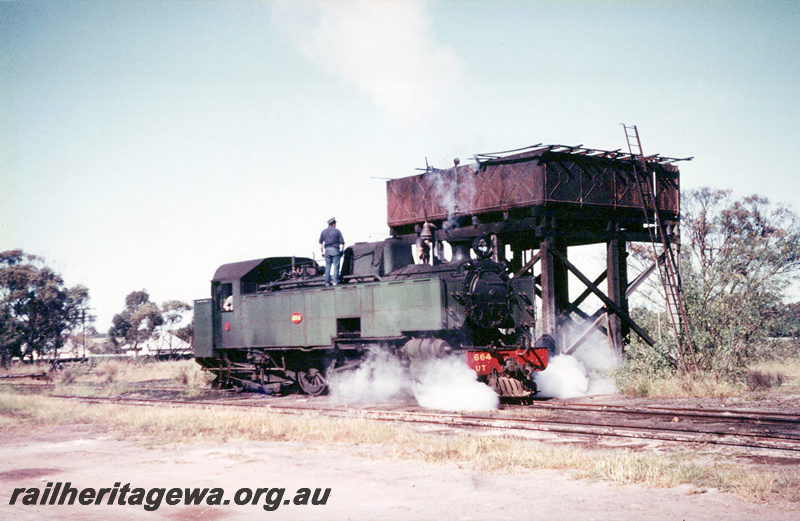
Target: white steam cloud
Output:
{"points": [[442, 383], [448, 384], [583, 373], [386, 49], [380, 378]]}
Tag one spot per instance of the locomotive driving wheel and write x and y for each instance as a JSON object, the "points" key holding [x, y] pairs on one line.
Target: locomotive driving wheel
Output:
{"points": [[312, 381]]}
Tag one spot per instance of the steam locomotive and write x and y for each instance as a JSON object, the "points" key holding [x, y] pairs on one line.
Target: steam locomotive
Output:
{"points": [[272, 323]]}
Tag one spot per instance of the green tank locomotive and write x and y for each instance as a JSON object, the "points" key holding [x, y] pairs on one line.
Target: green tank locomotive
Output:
{"points": [[272, 323]]}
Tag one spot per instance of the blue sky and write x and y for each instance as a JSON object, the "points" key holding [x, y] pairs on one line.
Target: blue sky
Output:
{"points": [[144, 143]]}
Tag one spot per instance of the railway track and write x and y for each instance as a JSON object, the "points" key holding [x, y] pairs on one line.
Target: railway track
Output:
{"points": [[46, 386], [683, 411], [747, 429]]}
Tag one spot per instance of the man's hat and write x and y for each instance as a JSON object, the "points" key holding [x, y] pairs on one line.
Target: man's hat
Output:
{"points": [[332, 220]]}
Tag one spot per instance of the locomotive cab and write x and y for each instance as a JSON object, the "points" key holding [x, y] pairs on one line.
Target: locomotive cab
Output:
{"points": [[217, 320]]}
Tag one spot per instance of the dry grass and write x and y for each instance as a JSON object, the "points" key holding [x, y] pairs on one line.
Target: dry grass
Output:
{"points": [[115, 377], [704, 385], [24, 369], [189, 373], [781, 375], [661, 471], [491, 453], [620, 467], [788, 370], [138, 371]]}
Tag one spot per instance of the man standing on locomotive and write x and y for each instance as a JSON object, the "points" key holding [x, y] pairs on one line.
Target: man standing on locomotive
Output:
{"points": [[331, 243]]}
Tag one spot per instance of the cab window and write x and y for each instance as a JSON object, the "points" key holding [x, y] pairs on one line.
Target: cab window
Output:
{"points": [[225, 297]]}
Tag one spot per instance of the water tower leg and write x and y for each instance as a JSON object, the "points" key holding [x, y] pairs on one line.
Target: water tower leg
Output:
{"points": [[555, 291], [618, 330]]}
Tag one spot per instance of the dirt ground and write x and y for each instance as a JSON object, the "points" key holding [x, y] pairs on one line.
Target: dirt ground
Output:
{"points": [[364, 484]]}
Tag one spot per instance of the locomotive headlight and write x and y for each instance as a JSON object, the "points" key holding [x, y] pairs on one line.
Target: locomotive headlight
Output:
{"points": [[482, 246]]}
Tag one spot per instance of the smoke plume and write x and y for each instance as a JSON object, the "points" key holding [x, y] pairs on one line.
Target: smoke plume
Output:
{"points": [[449, 188]]}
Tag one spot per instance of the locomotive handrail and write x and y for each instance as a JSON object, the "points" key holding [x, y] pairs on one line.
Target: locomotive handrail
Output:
{"points": [[363, 278]]}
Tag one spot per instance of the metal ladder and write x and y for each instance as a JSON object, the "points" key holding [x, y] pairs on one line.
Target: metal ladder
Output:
{"points": [[670, 277]]}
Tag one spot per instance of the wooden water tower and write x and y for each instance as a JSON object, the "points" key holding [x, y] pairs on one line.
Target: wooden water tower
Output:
{"points": [[538, 202]]}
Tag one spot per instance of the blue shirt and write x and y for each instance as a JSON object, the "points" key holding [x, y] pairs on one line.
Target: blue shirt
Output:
{"points": [[330, 236]]}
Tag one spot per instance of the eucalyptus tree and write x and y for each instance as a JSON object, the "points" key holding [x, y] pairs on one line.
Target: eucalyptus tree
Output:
{"points": [[136, 323], [37, 311], [738, 260], [172, 314]]}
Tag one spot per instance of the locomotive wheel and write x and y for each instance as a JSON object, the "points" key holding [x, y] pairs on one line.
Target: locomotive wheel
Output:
{"points": [[312, 381], [222, 381]]}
